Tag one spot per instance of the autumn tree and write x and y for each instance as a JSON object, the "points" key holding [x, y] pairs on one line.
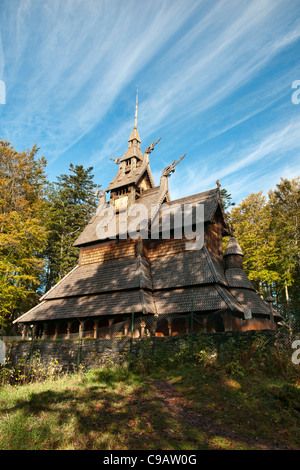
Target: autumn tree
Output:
{"points": [[22, 234], [252, 221]]}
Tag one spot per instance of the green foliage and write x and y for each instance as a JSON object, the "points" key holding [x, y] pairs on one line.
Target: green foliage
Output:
{"points": [[39, 223], [238, 356], [22, 233], [285, 210], [226, 200], [268, 231], [252, 221], [24, 372], [71, 204]]}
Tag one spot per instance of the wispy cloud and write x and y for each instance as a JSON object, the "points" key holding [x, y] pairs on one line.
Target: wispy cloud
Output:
{"points": [[250, 167], [82, 56], [206, 71]]}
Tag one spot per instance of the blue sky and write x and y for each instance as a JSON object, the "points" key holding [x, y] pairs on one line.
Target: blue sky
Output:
{"points": [[214, 80]]}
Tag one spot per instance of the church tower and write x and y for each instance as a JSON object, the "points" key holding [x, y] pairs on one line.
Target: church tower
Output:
{"points": [[134, 174]]}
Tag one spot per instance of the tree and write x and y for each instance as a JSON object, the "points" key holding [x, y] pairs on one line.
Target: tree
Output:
{"points": [[285, 209], [71, 204], [252, 221], [226, 199], [22, 234]]}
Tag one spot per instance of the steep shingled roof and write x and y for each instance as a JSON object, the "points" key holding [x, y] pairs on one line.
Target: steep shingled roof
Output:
{"points": [[233, 248], [117, 287], [150, 197]]}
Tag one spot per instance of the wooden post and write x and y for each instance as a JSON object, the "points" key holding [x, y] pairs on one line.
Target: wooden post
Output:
{"points": [[110, 323], [270, 301], [192, 322], [126, 327], [82, 323], [154, 326], [96, 324], [69, 329], [187, 324], [56, 330], [34, 331], [45, 330], [170, 326], [132, 323], [79, 347], [24, 329], [143, 326]]}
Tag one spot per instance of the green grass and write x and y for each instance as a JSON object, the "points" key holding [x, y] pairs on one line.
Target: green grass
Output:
{"points": [[241, 399], [103, 409], [258, 407], [114, 409]]}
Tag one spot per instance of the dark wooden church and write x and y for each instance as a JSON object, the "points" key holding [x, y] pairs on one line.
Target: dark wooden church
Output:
{"points": [[156, 278]]}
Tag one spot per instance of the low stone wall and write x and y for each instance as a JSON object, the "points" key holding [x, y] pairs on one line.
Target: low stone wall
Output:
{"points": [[93, 353], [69, 354]]}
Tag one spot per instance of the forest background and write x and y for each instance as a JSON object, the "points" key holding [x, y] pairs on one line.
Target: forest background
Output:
{"points": [[40, 220]]}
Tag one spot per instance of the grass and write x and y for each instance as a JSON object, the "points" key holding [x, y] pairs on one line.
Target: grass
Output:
{"points": [[239, 399], [103, 409], [114, 409], [259, 407]]}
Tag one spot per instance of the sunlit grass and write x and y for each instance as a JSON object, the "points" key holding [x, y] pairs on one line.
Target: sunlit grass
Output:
{"points": [[115, 409]]}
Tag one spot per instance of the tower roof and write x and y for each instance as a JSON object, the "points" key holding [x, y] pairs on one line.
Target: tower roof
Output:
{"points": [[131, 172], [233, 248]]}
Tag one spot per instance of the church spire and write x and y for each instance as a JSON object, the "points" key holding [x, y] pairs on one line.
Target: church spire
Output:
{"points": [[136, 108], [134, 139]]}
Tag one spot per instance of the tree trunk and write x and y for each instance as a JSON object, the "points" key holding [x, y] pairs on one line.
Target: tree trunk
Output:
{"points": [[287, 298]]}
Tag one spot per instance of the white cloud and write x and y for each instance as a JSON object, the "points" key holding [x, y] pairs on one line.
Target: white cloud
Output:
{"points": [[69, 62]]}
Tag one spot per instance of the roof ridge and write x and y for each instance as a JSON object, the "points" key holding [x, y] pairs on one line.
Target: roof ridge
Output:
{"points": [[211, 264], [226, 297], [209, 192]]}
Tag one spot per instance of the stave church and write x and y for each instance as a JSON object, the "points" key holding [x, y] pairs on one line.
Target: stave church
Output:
{"points": [[159, 278]]}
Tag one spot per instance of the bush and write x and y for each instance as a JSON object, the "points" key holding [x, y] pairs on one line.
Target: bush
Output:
{"points": [[24, 373], [239, 355]]}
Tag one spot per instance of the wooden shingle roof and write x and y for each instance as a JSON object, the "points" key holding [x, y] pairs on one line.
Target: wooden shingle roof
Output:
{"points": [[113, 303], [101, 278], [210, 200], [162, 286]]}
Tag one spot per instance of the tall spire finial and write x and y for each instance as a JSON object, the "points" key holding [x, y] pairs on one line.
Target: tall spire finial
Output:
{"points": [[134, 139], [136, 107]]}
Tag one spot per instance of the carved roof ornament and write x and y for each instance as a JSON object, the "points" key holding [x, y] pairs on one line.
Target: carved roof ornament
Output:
{"points": [[115, 160], [218, 184], [171, 168], [97, 191], [151, 147], [100, 193]]}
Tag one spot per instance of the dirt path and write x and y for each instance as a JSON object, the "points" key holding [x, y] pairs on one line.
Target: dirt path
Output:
{"points": [[180, 410]]}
